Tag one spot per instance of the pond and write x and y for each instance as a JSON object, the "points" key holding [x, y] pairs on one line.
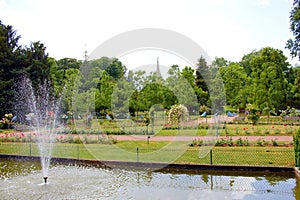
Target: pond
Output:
{"points": [[23, 180]]}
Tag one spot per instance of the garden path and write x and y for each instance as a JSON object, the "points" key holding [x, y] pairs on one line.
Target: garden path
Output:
{"points": [[191, 138]]}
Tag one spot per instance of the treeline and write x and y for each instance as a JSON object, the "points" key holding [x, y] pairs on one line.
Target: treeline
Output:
{"points": [[263, 80]]}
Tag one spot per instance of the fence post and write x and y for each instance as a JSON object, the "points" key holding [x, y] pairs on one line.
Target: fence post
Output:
{"points": [[78, 151], [30, 149], [298, 158], [296, 148], [137, 154], [210, 155]]}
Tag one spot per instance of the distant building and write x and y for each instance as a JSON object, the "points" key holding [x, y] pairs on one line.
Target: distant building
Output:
{"points": [[158, 69]]}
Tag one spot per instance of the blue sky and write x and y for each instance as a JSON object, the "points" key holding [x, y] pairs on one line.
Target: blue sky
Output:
{"points": [[223, 28]]}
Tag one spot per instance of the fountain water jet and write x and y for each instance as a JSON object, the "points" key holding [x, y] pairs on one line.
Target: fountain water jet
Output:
{"points": [[43, 111]]}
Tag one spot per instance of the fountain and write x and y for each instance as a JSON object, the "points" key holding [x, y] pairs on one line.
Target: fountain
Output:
{"points": [[42, 112], [19, 181]]}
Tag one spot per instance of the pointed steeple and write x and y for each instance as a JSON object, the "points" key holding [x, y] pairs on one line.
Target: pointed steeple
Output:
{"points": [[157, 69]]}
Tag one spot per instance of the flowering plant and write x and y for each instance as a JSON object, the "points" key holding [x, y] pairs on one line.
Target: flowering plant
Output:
{"points": [[6, 121], [177, 112]]}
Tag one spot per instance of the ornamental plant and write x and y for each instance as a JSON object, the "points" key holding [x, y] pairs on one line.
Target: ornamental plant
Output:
{"points": [[177, 113], [5, 122]]}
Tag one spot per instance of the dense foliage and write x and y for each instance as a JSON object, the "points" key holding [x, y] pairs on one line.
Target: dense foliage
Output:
{"points": [[263, 79], [294, 44]]}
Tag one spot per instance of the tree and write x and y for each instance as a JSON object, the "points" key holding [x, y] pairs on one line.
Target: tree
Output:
{"points": [[116, 69], [236, 84], [68, 63], [138, 80], [188, 74], [201, 80], [104, 92], [183, 86], [269, 83], [10, 68], [294, 44], [245, 62], [38, 66], [220, 62]]}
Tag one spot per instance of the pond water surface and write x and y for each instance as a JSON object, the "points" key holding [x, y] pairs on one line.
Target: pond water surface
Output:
{"points": [[23, 180]]}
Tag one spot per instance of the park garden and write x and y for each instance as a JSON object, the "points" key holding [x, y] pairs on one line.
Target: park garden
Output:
{"points": [[239, 107]]}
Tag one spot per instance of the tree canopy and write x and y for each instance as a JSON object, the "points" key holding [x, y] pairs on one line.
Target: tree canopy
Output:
{"points": [[263, 79]]}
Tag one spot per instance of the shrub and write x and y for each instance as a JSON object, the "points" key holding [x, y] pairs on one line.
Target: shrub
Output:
{"points": [[70, 139], [229, 142], [78, 141], [246, 142], [220, 142], [259, 142], [200, 142], [196, 142], [240, 142], [274, 143]]}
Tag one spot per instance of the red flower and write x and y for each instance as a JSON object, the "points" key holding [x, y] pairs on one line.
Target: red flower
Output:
{"points": [[284, 124], [272, 126]]}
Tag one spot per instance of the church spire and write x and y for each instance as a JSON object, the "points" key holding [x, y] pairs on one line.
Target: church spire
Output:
{"points": [[157, 69]]}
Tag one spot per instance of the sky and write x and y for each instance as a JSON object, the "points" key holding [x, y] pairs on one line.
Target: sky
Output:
{"points": [[223, 28]]}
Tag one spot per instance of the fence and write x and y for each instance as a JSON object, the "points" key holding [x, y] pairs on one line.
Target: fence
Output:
{"points": [[241, 156]]}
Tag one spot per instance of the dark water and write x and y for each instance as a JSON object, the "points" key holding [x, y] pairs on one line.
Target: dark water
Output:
{"points": [[23, 180]]}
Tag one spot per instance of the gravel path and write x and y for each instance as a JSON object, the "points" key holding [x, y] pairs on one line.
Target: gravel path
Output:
{"points": [[191, 138]]}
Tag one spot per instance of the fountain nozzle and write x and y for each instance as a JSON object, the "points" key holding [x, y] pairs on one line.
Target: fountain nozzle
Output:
{"points": [[45, 179]]}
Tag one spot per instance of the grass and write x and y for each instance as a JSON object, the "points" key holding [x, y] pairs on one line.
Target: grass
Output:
{"points": [[177, 152]]}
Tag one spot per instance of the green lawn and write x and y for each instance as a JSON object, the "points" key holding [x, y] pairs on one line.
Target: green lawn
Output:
{"points": [[177, 152]]}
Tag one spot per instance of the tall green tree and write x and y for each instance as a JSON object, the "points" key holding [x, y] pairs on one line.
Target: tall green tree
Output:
{"points": [[104, 92], [202, 79], [294, 44], [38, 66], [269, 83], [182, 84], [116, 69], [11, 65], [236, 84], [245, 62]]}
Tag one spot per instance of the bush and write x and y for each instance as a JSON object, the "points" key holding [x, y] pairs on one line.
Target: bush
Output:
{"points": [[220, 142], [259, 142], [78, 141], [274, 143], [240, 142], [229, 142], [196, 142]]}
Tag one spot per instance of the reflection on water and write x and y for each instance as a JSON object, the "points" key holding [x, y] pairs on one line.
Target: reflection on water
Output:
{"points": [[23, 180]]}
